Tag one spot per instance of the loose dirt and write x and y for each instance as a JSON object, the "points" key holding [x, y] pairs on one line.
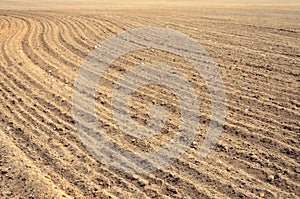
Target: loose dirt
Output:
{"points": [[256, 49]]}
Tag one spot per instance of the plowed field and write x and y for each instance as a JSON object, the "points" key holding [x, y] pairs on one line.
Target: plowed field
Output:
{"points": [[256, 50]]}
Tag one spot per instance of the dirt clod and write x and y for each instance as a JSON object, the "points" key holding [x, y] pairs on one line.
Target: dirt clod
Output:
{"points": [[262, 194], [271, 178]]}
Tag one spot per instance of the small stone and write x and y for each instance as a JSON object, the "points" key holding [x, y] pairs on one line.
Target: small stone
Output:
{"points": [[8, 128], [253, 157], [194, 145], [297, 170], [4, 170], [271, 178], [262, 194], [141, 183]]}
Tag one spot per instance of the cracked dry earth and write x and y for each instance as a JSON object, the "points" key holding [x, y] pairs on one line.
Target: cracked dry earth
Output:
{"points": [[257, 155]]}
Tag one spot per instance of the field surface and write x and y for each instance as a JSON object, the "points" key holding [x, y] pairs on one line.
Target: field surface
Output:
{"points": [[256, 49]]}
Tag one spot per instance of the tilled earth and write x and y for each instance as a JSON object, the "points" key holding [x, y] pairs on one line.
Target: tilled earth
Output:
{"points": [[257, 155]]}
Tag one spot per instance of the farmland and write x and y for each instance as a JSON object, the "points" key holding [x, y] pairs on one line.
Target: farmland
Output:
{"points": [[256, 49]]}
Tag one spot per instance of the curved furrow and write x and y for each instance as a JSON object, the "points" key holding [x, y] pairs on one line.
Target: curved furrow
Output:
{"points": [[52, 45], [257, 172], [266, 83], [260, 121], [23, 139], [69, 34], [212, 178], [116, 27], [248, 132], [250, 136], [71, 23], [262, 100], [241, 49], [77, 47], [22, 86], [232, 40], [265, 135], [50, 137], [55, 51], [263, 78], [106, 27], [268, 142], [193, 168], [36, 105], [46, 69], [236, 131], [235, 50], [22, 166], [4, 62], [199, 177], [197, 193], [23, 111], [245, 103], [31, 39], [41, 54], [20, 113], [3, 24], [85, 36], [259, 138], [4, 27], [40, 114], [42, 86], [267, 120], [208, 36], [229, 39]]}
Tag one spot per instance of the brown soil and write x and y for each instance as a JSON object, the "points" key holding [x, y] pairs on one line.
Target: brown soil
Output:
{"points": [[256, 50]]}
